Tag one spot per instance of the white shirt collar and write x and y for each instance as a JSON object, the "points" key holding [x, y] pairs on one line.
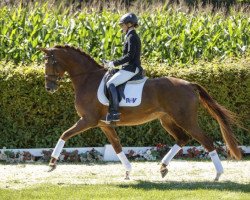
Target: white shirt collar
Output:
{"points": [[129, 30]]}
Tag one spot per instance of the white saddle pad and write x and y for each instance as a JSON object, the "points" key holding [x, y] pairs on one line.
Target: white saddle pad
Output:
{"points": [[132, 92]]}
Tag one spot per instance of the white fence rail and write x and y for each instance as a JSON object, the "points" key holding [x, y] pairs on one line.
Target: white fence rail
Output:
{"points": [[107, 151]]}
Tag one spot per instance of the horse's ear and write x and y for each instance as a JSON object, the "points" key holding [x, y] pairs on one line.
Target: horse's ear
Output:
{"points": [[44, 50]]}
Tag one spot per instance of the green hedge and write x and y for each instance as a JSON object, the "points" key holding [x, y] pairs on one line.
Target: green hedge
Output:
{"points": [[31, 118]]}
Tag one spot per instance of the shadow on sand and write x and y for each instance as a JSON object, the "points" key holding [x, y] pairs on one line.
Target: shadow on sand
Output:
{"points": [[174, 185]]}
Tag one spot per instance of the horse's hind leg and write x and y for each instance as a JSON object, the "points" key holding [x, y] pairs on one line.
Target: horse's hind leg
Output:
{"points": [[188, 121], [207, 143], [114, 140], [181, 140]]}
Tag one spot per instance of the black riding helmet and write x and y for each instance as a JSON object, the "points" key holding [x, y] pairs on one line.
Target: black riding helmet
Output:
{"points": [[129, 18]]}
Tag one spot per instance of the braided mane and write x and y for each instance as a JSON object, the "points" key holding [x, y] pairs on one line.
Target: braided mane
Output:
{"points": [[79, 51]]}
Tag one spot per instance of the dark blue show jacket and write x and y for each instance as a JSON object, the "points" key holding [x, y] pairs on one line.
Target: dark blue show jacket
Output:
{"points": [[131, 53]]}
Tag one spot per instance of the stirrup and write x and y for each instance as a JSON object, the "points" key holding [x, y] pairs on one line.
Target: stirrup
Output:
{"points": [[111, 117]]}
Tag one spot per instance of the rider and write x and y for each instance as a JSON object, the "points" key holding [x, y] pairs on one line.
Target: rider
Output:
{"points": [[130, 62]]}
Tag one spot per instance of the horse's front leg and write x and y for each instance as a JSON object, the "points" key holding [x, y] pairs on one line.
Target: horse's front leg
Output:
{"points": [[115, 142], [82, 125]]}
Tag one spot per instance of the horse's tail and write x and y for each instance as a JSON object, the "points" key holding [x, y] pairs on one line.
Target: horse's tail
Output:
{"points": [[224, 118]]}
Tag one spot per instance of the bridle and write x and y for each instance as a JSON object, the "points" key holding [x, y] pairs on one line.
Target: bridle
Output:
{"points": [[55, 76]]}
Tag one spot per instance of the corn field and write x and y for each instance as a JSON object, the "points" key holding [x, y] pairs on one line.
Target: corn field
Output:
{"points": [[169, 36]]}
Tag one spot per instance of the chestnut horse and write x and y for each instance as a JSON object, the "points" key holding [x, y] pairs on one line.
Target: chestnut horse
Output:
{"points": [[173, 101]]}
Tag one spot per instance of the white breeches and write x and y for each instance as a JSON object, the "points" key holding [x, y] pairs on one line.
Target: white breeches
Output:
{"points": [[121, 77]]}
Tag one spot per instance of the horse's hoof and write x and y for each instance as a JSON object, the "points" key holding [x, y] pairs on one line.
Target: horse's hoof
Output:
{"points": [[163, 171], [51, 168], [127, 175], [217, 176]]}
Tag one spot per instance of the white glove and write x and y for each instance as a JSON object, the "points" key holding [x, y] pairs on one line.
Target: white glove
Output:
{"points": [[109, 65]]}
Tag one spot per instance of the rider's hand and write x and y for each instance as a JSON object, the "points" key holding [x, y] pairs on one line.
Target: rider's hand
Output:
{"points": [[109, 65]]}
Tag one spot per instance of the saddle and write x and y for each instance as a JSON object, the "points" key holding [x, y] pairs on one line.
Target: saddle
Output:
{"points": [[120, 88]]}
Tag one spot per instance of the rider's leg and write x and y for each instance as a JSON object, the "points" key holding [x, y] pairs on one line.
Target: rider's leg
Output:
{"points": [[117, 79], [113, 114], [121, 77]]}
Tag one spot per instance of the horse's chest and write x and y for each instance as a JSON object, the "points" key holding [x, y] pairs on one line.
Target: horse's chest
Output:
{"points": [[82, 106]]}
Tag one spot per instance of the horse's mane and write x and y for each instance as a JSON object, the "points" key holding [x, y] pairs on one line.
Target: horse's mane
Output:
{"points": [[79, 50]]}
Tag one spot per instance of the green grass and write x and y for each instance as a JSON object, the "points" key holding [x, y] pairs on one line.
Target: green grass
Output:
{"points": [[140, 190]]}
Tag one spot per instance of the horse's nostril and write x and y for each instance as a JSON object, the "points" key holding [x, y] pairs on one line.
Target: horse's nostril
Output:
{"points": [[47, 88]]}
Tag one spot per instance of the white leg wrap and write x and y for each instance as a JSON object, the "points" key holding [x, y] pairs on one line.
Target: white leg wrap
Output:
{"points": [[124, 161], [216, 160], [58, 149], [172, 152]]}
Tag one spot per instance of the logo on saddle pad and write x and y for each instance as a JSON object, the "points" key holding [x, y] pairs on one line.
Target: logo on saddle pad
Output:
{"points": [[130, 100], [132, 92]]}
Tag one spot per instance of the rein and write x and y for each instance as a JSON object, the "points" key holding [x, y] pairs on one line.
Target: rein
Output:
{"points": [[84, 73]]}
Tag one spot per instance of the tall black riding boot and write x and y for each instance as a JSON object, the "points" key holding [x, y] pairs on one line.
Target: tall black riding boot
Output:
{"points": [[113, 115]]}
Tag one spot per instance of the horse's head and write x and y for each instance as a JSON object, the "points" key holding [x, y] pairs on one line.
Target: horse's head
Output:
{"points": [[75, 62], [53, 70]]}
